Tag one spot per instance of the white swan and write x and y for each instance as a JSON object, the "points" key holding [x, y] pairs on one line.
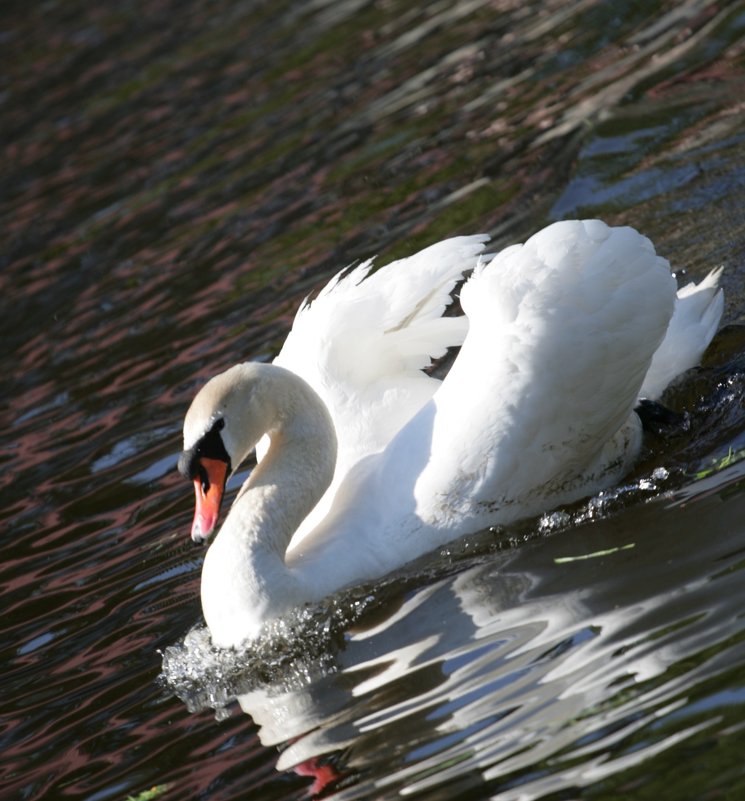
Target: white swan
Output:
{"points": [[371, 463]]}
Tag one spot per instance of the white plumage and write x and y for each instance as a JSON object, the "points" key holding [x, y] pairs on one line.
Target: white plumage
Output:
{"points": [[560, 337]]}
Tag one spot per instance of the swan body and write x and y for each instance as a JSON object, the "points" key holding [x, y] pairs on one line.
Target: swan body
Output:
{"points": [[366, 462]]}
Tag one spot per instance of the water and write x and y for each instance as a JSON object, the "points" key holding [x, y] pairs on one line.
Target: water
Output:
{"points": [[177, 177]]}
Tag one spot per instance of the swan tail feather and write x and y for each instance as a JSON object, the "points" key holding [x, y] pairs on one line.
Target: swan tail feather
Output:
{"points": [[698, 311]]}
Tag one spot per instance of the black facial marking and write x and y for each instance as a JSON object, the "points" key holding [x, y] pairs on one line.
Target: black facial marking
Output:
{"points": [[210, 446]]}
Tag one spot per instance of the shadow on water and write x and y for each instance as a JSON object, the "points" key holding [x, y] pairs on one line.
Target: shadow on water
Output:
{"points": [[177, 177]]}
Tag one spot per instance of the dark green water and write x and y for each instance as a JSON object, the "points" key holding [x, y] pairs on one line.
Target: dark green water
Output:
{"points": [[176, 178]]}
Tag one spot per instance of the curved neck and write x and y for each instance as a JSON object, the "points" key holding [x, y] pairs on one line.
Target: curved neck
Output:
{"points": [[245, 580], [296, 470]]}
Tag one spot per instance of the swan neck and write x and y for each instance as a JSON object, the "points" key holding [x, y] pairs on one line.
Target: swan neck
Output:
{"points": [[296, 470]]}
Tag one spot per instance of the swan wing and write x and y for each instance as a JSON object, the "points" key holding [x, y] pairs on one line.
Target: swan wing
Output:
{"points": [[362, 344], [363, 341], [562, 330]]}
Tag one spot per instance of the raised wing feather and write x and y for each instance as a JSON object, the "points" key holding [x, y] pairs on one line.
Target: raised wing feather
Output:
{"points": [[362, 343]]}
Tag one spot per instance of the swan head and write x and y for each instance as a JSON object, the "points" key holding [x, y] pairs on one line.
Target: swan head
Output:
{"points": [[224, 422], [231, 413]]}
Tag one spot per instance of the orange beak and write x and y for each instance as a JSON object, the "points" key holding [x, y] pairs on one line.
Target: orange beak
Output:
{"points": [[208, 497]]}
